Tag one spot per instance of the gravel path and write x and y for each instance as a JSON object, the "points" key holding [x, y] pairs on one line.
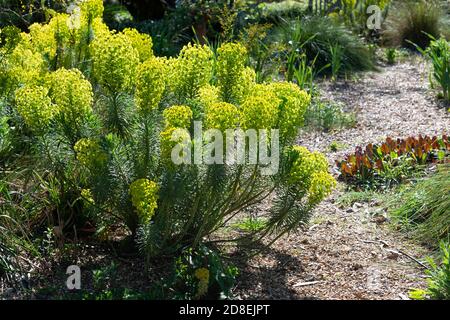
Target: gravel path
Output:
{"points": [[346, 253]]}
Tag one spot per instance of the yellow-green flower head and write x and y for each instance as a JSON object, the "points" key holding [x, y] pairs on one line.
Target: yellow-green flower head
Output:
{"points": [[91, 9], [260, 110], [202, 274], [86, 195], [246, 83], [322, 183], [24, 66], [115, 61], [171, 137], [305, 164], [99, 28], [90, 153], [292, 109], [141, 42], [150, 84], [178, 117], [230, 66], [193, 69], [144, 196], [72, 93], [207, 95], [221, 115], [47, 38], [35, 106]]}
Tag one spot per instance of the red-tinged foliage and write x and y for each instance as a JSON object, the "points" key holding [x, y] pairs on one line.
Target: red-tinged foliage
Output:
{"points": [[375, 159]]}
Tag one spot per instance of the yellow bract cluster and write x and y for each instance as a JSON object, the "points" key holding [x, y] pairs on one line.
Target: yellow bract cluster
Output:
{"points": [[192, 70], [150, 84], [221, 115], [231, 71], [207, 95], [292, 108], [202, 274], [178, 117], [24, 67], [144, 196], [46, 38], [35, 106], [90, 153], [260, 110], [72, 93], [86, 194], [91, 9], [322, 183], [115, 61], [309, 172], [141, 42]]}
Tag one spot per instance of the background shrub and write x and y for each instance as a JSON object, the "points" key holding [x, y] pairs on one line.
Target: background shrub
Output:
{"points": [[412, 20], [315, 36]]}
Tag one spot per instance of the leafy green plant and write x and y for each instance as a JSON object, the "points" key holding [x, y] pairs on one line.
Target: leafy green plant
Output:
{"points": [[439, 54], [250, 224], [336, 60], [439, 278], [391, 55], [393, 159], [411, 21], [423, 209], [328, 116], [201, 274]]}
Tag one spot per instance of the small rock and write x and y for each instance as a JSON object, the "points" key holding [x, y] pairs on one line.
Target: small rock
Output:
{"points": [[393, 255], [356, 266], [357, 205]]}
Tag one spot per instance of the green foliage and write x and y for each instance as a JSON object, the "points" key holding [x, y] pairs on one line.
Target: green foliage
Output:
{"points": [[439, 54], [439, 278], [276, 11], [327, 116], [349, 198], [336, 60], [392, 160], [353, 13], [424, 208], [391, 55], [201, 274], [316, 36], [411, 21], [250, 224]]}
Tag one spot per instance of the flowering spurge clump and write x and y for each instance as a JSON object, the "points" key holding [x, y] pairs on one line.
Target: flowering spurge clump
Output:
{"points": [[35, 107], [90, 153], [309, 172], [150, 85], [233, 78], [144, 196], [72, 93], [221, 115], [121, 117], [292, 108], [260, 110], [192, 69]]}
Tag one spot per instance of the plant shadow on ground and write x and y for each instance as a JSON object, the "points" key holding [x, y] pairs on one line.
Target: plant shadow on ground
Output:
{"points": [[269, 281]]}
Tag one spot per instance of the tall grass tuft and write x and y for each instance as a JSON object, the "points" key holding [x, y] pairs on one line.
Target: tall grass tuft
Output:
{"points": [[411, 21], [316, 37], [425, 207]]}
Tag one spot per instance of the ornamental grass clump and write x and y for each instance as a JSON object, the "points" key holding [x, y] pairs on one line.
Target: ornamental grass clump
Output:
{"points": [[129, 127]]}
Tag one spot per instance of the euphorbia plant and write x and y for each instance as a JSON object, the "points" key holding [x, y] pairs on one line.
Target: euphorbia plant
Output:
{"points": [[123, 122]]}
